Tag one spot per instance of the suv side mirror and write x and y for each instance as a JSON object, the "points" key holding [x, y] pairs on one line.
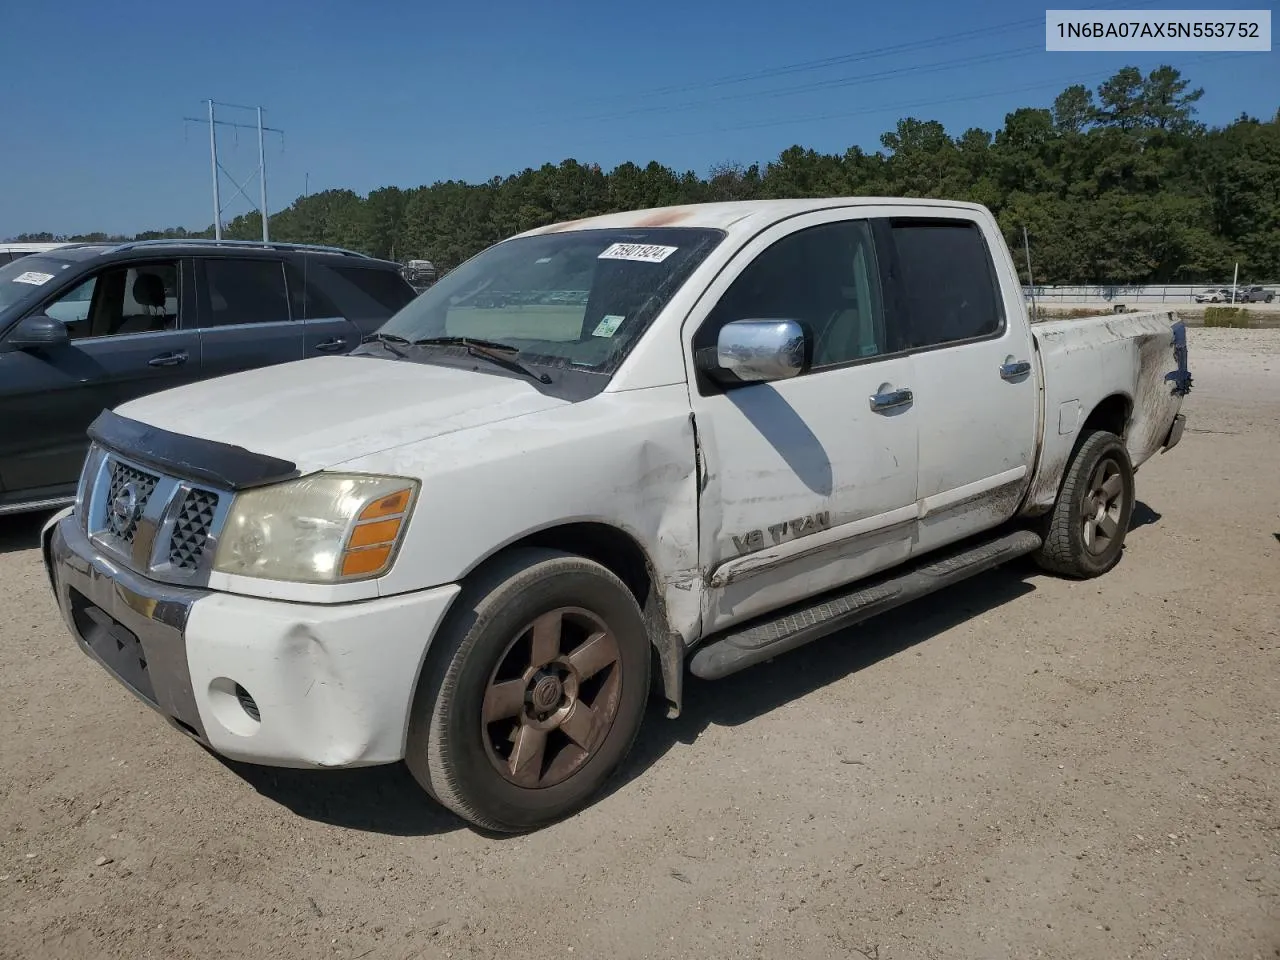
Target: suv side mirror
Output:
{"points": [[39, 331], [756, 351]]}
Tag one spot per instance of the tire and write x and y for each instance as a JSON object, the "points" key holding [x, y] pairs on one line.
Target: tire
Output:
{"points": [[1098, 484], [490, 696]]}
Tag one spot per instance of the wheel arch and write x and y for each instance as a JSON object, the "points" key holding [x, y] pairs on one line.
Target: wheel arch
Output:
{"points": [[1112, 414], [621, 554]]}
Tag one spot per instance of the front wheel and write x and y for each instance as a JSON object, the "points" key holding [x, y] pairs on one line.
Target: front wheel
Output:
{"points": [[1084, 533], [532, 694]]}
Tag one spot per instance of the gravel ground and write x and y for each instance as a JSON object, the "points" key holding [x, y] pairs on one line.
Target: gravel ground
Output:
{"points": [[1018, 767]]}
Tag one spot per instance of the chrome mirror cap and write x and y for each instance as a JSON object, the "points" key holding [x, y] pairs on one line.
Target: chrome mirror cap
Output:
{"points": [[757, 351]]}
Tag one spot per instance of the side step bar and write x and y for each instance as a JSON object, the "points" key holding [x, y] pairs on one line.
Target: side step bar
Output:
{"points": [[762, 640], [36, 506]]}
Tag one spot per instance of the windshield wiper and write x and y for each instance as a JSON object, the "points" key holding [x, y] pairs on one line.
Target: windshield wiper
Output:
{"points": [[387, 340], [503, 354]]}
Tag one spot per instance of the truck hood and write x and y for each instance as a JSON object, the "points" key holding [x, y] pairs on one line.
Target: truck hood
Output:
{"points": [[327, 410]]}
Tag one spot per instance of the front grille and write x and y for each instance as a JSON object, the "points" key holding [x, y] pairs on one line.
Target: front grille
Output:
{"points": [[160, 525], [128, 493], [192, 528]]}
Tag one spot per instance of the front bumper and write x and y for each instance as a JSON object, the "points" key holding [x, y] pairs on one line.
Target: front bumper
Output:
{"points": [[264, 681]]}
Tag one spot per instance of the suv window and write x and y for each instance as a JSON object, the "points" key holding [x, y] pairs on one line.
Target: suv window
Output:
{"points": [[132, 298], [306, 300], [947, 281], [826, 277], [386, 287], [245, 291]]}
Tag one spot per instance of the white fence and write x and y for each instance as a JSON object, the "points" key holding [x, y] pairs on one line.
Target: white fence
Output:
{"points": [[1159, 293]]}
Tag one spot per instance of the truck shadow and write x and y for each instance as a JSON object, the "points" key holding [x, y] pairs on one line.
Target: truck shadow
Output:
{"points": [[387, 800], [21, 531], [1143, 516], [744, 696]]}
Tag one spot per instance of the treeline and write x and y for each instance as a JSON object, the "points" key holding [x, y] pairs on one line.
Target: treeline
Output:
{"points": [[1115, 185]]}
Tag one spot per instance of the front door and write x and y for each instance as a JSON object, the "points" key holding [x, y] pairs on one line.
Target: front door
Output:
{"points": [[127, 340], [809, 483]]}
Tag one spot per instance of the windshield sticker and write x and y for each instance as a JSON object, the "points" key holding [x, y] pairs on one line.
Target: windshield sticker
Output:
{"points": [[609, 325], [33, 278], [644, 252]]}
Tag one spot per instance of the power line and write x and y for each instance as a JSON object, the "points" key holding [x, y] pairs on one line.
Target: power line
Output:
{"points": [[803, 66], [834, 82], [888, 108]]}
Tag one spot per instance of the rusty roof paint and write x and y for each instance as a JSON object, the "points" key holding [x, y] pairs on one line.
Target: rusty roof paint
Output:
{"points": [[562, 225], [665, 217], [735, 216]]}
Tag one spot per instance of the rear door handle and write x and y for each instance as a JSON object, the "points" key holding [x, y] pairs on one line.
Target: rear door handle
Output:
{"points": [[1014, 370], [332, 344], [891, 399], [168, 359]]}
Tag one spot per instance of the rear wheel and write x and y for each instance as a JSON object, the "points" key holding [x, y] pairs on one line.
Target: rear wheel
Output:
{"points": [[1085, 532], [533, 693]]}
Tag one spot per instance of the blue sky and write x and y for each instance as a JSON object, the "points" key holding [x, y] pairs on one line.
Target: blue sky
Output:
{"points": [[390, 92]]}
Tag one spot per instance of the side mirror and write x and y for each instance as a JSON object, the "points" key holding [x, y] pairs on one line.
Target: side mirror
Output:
{"points": [[39, 331], [756, 351]]}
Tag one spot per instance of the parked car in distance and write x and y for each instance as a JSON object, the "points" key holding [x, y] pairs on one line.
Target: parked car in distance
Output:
{"points": [[85, 327], [13, 250], [477, 544], [1254, 294], [1219, 295]]}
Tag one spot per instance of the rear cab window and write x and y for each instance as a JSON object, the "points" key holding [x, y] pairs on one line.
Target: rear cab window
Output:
{"points": [[946, 281]]}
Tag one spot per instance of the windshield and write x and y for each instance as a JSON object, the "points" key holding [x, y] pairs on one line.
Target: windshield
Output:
{"points": [[27, 278], [576, 299]]}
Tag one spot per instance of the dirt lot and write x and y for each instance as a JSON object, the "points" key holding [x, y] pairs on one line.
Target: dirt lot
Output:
{"points": [[1022, 767]]}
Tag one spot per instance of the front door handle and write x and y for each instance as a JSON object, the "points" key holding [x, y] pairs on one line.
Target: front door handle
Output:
{"points": [[168, 359], [891, 399], [332, 344], [1014, 369]]}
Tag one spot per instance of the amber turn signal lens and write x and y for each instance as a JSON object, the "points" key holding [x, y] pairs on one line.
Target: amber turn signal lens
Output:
{"points": [[367, 560], [387, 506], [370, 534]]}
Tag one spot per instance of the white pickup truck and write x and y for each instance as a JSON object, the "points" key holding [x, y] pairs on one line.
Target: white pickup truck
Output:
{"points": [[589, 458]]}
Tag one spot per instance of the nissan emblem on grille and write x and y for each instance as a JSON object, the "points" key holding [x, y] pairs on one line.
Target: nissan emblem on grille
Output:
{"points": [[127, 495], [124, 509]]}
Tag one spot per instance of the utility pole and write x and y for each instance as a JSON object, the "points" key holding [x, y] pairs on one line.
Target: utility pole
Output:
{"points": [[1026, 245], [262, 182], [213, 160], [217, 170]]}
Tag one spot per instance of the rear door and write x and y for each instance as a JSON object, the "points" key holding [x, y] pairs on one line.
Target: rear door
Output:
{"points": [[975, 387], [129, 338], [324, 328], [245, 320], [346, 300]]}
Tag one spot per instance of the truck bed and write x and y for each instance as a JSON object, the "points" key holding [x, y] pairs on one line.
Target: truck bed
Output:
{"points": [[1127, 363]]}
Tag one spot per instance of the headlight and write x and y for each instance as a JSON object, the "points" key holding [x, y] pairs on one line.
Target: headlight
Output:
{"points": [[325, 528]]}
